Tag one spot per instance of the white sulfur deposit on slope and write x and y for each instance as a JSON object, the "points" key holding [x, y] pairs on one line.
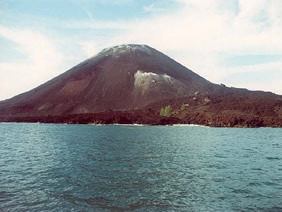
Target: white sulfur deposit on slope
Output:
{"points": [[145, 79]]}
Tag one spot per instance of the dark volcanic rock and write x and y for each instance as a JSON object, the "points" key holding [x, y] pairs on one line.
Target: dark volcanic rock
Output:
{"points": [[234, 108], [119, 78], [131, 84]]}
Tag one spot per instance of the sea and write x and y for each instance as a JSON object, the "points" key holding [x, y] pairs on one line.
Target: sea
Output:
{"points": [[57, 167]]}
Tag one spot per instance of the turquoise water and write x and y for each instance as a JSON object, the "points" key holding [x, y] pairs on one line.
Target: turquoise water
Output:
{"points": [[131, 168]]}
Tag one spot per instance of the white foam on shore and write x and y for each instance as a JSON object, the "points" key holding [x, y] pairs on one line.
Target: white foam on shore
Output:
{"points": [[144, 125], [129, 125], [189, 125], [116, 124]]}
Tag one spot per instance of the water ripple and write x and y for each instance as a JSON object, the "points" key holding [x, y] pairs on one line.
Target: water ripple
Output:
{"points": [[115, 168]]}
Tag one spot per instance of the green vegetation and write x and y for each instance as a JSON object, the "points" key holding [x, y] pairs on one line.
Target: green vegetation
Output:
{"points": [[182, 108], [166, 111]]}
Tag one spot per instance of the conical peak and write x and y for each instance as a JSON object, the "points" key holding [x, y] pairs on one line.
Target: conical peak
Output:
{"points": [[118, 78], [127, 48]]}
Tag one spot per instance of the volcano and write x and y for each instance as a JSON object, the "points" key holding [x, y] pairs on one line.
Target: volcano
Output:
{"points": [[119, 78], [137, 80]]}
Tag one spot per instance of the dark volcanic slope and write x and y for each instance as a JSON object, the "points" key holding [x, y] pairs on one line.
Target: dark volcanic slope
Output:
{"points": [[118, 78], [133, 84]]}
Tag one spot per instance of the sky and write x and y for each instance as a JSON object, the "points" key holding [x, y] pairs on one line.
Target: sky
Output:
{"points": [[234, 42]]}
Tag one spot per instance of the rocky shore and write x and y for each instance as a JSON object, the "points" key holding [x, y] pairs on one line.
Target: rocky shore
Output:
{"points": [[136, 84], [214, 111]]}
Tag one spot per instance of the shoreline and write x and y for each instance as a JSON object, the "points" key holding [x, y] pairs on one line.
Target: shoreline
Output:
{"points": [[142, 125]]}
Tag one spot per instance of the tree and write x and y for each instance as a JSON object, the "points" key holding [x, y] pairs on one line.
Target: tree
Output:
{"points": [[162, 112], [166, 111], [182, 108]]}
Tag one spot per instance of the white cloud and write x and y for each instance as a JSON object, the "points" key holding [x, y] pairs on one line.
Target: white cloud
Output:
{"points": [[152, 8], [271, 86], [115, 2], [44, 61], [201, 35], [97, 24], [89, 48], [255, 77]]}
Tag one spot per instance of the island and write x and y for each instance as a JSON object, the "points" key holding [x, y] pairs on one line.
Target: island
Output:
{"points": [[136, 84]]}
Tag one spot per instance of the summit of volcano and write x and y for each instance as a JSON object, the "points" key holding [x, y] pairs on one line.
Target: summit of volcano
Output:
{"points": [[133, 84]]}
